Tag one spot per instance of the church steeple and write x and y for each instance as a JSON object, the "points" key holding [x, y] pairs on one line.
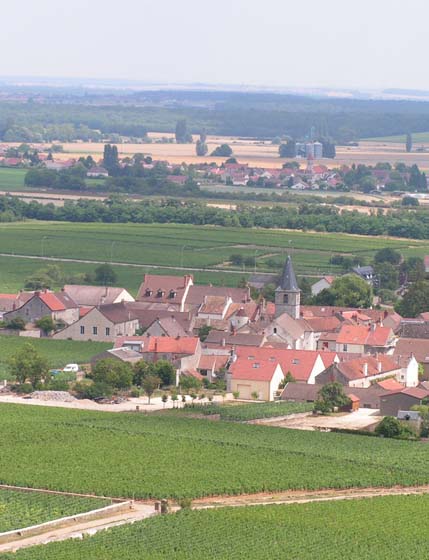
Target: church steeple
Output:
{"points": [[288, 294]]}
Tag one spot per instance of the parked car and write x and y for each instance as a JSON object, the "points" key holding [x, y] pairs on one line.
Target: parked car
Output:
{"points": [[71, 368]]}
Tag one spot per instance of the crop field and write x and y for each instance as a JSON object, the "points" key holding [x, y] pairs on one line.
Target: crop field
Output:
{"points": [[418, 138], [190, 246], [22, 509], [380, 528], [245, 412], [12, 179], [166, 456], [14, 271], [58, 352]]}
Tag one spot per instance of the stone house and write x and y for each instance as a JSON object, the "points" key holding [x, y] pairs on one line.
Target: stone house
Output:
{"points": [[59, 306], [104, 323]]}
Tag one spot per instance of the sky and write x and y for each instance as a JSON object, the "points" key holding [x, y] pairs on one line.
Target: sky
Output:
{"points": [[372, 44]]}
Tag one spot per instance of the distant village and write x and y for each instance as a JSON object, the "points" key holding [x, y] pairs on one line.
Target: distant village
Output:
{"points": [[311, 175], [261, 350]]}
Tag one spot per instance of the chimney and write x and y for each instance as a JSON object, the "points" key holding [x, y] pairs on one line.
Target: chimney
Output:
{"points": [[223, 342], [379, 367], [365, 369], [373, 327]]}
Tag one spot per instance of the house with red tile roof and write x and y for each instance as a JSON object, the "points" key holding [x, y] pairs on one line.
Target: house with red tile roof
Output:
{"points": [[366, 370], [183, 352], [303, 365], [256, 379], [362, 339], [57, 305], [171, 290]]}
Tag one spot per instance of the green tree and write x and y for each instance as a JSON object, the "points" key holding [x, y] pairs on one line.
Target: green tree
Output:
{"points": [[409, 143], [415, 301], [113, 372], [111, 159], [16, 324], [288, 150], [28, 364], [224, 150], [331, 396], [105, 275], [387, 255], [347, 291], [165, 371], [203, 332], [181, 133], [412, 270], [391, 427], [46, 324], [149, 385], [141, 370], [388, 276]]}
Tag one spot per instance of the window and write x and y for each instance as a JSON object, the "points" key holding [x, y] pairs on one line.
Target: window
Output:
{"points": [[295, 361], [275, 330], [82, 329], [285, 298], [344, 347], [255, 365], [94, 330], [107, 331]]}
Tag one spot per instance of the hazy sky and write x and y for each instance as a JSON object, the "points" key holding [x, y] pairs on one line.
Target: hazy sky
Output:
{"points": [[365, 43]]}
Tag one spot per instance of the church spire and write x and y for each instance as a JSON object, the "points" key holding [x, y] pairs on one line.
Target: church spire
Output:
{"points": [[288, 295], [288, 279]]}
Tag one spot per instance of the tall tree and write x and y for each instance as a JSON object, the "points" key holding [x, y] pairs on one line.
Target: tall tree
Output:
{"points": [[409, 143], [27, 363], [181, 133]]}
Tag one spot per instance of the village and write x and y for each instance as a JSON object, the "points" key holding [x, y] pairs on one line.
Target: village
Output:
{"points": [[219, 341]]}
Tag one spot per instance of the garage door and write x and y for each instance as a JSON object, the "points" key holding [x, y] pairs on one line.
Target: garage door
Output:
{"points": [[245, 391]]}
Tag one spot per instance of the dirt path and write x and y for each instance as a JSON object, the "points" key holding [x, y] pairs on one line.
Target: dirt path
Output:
{"points": [[145, 509], [140, 511], [302, 496]]}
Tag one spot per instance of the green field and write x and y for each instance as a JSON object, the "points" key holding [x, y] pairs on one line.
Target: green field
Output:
{"points": [[372, 529], [245, 412], [12, 179], [58, 352], [191, 246], [14, 271], [418, 137], [126, 455], [22, 509]]}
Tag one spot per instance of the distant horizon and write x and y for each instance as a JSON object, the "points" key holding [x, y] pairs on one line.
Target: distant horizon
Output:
{"points": [[128, 84]]}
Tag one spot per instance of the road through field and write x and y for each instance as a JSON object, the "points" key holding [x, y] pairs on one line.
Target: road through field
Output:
{"points": [[143, 510]]}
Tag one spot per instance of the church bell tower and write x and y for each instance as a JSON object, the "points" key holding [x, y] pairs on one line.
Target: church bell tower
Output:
{"points": [[288, 294]]}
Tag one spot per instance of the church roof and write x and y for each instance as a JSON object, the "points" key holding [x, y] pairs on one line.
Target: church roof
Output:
{"points": [[288, 279]]}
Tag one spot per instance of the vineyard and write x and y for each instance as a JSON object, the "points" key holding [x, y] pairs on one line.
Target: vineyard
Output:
{"points": [[190, 245], [246, 412], [58, 352], [135, 455], [373, 529], [22, 509]]}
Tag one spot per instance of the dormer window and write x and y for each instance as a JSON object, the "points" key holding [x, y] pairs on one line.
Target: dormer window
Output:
{"points": [[148, 292], [160, 293], [295, 361], [255, 365], [172, 294]]}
